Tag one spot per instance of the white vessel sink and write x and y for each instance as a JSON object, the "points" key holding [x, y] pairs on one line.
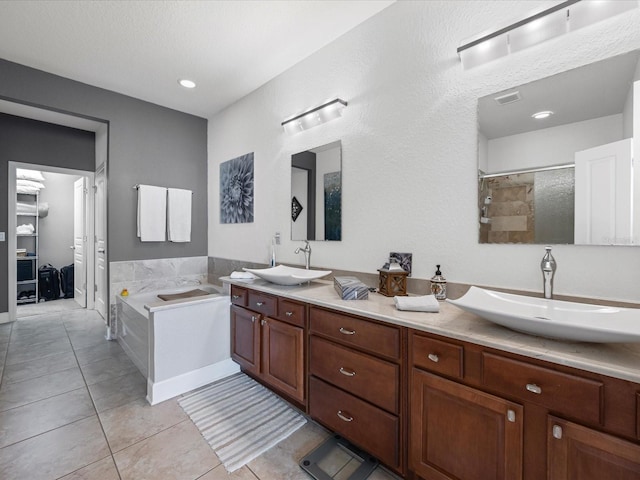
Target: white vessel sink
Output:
{"points": [[283, 275], [553, 318]]}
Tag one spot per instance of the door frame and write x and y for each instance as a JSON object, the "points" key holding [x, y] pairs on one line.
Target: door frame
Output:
{"points": [[12, 223]]}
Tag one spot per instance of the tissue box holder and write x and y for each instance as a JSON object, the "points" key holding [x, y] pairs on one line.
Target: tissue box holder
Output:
{"points": [[350, 288]]}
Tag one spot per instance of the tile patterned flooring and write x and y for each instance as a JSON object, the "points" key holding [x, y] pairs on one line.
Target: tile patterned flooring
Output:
{"points": [[72, 407]]}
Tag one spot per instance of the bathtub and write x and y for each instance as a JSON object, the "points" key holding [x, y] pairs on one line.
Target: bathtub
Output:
{"points": [[178, 345]]}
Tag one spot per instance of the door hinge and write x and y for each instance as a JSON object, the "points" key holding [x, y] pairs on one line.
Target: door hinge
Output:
{"points": [[95, 287], [95, 188]]}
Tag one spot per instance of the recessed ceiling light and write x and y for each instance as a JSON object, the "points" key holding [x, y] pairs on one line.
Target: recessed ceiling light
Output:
{"points": [[187, 83], [543, 114]]}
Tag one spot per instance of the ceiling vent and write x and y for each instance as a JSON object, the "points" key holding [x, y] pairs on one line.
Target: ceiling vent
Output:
{"points": [[508, 98]]}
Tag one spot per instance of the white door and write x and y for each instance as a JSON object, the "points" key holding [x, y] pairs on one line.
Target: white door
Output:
{"points": [[79, 241], [101, 295], [604, 194]]}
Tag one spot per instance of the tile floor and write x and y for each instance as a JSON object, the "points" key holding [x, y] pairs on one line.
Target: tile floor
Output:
{"points": [[72, 407]]}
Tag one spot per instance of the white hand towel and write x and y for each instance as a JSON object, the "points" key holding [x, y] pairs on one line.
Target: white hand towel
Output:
{"points": [[426, 303], [152, 213], [179, 215]]}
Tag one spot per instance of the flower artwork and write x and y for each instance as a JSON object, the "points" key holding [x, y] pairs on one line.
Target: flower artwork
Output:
{"points": [[236, 190]]}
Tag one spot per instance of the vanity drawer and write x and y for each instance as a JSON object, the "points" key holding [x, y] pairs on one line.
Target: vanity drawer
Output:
{"points": [[638, 415], [373, 337], [261, 302], [292, 312], [437, 356], [239, 296], [367, 377], [562, 393], [372, 429]]}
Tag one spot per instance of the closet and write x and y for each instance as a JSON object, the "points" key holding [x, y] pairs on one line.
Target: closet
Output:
{"points": [[28, 186]]}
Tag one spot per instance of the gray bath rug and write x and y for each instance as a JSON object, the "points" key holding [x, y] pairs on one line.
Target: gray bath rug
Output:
{"points": [[240, 419]]}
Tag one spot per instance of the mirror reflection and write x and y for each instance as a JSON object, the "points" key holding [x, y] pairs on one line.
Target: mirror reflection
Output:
{"points": [[567, 176], [316, 193]]}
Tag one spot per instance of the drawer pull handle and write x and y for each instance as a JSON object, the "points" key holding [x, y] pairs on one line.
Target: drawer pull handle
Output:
{"points": [[288, 314], [557, 432], [347, 372], [533, 388], [511, 416], [253, 318], [236, 297], [433, 357], [259, 304], [347, 332], [344, 417]]}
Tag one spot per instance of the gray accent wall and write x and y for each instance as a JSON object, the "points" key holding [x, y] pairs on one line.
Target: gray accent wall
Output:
{"points": [[148, 144]]}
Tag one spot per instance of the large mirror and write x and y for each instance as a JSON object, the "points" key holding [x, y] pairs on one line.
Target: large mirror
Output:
{"points": [[316, 193], [566, 177]]}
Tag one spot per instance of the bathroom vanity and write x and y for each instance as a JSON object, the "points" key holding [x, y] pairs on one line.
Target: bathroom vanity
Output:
{"points": [[446, 395]]}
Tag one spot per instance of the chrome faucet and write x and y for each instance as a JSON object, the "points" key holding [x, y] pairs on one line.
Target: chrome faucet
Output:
{"points": [[548, 267], [307, 253]]}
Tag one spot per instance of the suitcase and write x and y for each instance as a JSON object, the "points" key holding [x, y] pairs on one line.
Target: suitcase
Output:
{"points": [[48, 282], [66, 281]]}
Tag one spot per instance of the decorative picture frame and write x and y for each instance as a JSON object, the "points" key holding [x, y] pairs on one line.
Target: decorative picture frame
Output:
{"points": [[236, 190], [296, 209]]}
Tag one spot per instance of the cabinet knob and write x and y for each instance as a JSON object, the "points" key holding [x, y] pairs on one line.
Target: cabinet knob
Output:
{"points": [[347, 332], [253, 318], [347, 372], [259, 304], [288, 314], [511, 416], [533, 388], [556, 431], [263, 322], [344, 416], [433, 357]]}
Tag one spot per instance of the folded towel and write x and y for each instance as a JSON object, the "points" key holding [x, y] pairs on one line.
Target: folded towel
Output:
{"points": [[26, 229], [23, 174], [242, 275], [152, 213], [179, 215], [426, 303]]}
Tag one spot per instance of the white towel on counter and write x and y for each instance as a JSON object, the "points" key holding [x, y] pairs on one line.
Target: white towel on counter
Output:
{"points": [[152, 213], [179, 215], [426, 303]]}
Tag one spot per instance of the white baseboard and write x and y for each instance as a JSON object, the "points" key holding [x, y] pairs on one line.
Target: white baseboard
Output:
{"points": [[160, 391], [4, 317]]}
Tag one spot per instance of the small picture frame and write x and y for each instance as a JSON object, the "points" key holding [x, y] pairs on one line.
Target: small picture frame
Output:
{"points": [[404, 259]]}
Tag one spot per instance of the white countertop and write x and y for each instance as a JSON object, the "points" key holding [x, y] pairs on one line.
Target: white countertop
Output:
{"points": [[620, 360]]}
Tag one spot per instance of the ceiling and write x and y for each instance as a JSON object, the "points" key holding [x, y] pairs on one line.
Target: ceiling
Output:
{"points": [[141, 48], [584, 93]]}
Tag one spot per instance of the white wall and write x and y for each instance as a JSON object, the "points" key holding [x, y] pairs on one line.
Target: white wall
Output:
{"points": [[56, 229], [409, 148], [551, 146]]}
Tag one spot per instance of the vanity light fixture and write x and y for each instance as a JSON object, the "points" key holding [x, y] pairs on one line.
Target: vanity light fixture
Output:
{"points": [[315, 116], [539, 27], [187, 83], [542, 115]]}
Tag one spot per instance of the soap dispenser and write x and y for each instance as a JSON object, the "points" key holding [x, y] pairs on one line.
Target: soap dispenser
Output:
{"points": [[439, 285]]}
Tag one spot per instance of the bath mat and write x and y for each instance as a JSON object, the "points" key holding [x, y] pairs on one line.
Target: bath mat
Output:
{"points": [[240, 419]]}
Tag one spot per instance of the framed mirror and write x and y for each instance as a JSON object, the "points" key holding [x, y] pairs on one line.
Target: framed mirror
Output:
{"points": [[555, 158], [316, 193]]}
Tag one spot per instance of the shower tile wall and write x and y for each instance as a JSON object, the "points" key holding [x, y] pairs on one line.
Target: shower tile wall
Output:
{"points": [[511, 210]]}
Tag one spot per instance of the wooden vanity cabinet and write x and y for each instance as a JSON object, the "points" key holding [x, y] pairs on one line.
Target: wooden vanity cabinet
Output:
{"points": [[356, 385], [268, 339]]}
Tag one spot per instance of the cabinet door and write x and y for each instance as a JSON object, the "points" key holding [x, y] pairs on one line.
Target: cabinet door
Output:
{"points": [[245, 339], [282, 357], [457, 432], [577, 452]]}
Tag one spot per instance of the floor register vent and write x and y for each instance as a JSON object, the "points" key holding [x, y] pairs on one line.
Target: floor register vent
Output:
{"points": [[337, 459]]}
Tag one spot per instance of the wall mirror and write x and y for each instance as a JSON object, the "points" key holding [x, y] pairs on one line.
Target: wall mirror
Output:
{"points": [[567, 177], [316, 193]]}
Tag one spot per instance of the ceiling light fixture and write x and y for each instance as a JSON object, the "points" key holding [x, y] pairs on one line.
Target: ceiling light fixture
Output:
{"points": [[542, 115], [187, 83], [315, 116], [539, 27]]}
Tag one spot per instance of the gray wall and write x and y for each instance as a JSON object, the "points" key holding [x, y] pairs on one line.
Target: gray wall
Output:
{"points": [[30, 141], [147, 144], [56, 229]]}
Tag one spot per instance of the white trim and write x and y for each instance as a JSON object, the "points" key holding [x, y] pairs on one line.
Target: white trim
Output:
{"points": [[172, 387], [4, 317]]}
